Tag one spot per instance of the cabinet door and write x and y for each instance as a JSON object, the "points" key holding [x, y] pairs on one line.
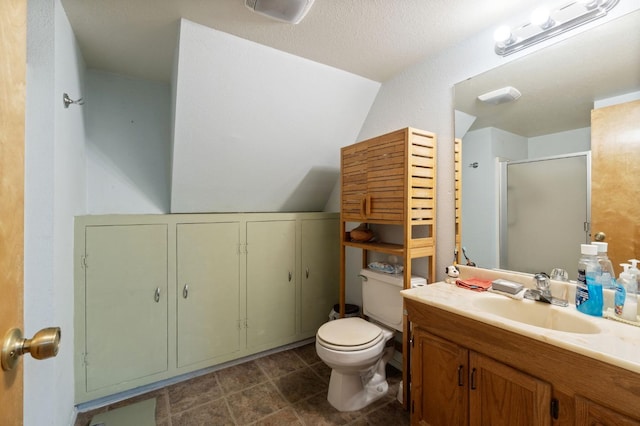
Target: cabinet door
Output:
{"points": [[271, 283], [501, 395], [320, 270], [353, 182], [588, 413], [126, 303], [438, 381], [208, 269], [386, 179]]}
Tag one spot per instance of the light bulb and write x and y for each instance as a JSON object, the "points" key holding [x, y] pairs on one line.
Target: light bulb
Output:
{"points": [[541, 17], [502, 34]]}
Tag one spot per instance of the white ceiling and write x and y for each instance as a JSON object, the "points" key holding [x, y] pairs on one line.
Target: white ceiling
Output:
{"points": [[372, 38]]}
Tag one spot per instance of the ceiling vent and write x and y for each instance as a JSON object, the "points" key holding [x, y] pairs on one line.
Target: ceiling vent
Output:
{"points": [[290, 11], [500, 96]]}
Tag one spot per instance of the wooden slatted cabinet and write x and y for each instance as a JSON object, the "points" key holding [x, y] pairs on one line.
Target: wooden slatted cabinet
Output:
{"points": [[391, 180], [457, 161]]}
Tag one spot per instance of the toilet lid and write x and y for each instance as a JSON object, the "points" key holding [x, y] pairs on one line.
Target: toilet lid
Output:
{"points": [[349, 334]]}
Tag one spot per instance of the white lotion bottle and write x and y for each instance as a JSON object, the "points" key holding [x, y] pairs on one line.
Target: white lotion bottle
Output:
{"points": [[630, 282]]}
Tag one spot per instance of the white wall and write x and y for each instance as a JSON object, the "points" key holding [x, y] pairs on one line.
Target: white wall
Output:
{"points": [[128, 144], [258, 129], [577, 140], [54, 194]]}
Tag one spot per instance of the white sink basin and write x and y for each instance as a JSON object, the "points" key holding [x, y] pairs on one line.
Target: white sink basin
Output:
{"points": [[538, 314]]}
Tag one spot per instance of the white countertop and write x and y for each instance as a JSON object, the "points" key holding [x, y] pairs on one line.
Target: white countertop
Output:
{"points": [[617, 343]]}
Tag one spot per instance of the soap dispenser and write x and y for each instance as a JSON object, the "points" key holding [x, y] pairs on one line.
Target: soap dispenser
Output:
{"points": [[606, 275], [627, 306]]}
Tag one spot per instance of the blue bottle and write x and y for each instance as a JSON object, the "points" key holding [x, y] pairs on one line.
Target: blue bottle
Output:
{"points": [[588, 289]]}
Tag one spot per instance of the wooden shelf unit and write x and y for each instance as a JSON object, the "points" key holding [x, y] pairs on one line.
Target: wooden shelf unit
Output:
{"points": [[457, 162], [391, 180]]}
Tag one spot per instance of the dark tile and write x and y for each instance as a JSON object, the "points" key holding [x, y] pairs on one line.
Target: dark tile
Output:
{"points": [[308, 353], [389, 414], [255, 403], [300, 385], [242, 376], [193, 392], [280, 363], [317, 411], [282, 417], [322, 370], [214, 413]]}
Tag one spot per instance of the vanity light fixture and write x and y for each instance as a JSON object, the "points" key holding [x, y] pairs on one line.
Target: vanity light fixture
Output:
{"points": [[289, 11], [546, 23]]}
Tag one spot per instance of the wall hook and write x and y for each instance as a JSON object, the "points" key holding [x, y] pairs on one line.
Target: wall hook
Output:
{"points": [[68, 101], [474, 165]]}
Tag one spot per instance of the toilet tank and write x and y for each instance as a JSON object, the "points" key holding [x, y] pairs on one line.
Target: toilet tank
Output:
{"points": [[381, 299]]}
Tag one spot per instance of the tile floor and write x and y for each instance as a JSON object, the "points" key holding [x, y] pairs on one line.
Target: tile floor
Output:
{"points": [[285, 388]]}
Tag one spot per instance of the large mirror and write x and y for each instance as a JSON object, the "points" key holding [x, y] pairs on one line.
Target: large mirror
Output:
{"points": [[560, 85]]}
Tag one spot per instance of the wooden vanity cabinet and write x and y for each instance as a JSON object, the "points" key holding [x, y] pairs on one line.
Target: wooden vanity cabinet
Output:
{"points": [[467, 372], [452, 385]]}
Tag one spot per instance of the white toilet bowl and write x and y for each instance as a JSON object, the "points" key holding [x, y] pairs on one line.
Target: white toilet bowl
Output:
{"points": [[357, 353]]}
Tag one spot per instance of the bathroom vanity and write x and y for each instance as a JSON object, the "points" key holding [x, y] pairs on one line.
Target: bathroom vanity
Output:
{"points": [[478, 358]]}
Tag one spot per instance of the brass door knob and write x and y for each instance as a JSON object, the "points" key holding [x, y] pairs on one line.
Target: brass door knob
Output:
{"points": [[600, 236], [44, 344]]}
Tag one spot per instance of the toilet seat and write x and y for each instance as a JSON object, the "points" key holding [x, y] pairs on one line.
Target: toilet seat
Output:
{"points": [[349, 334]]}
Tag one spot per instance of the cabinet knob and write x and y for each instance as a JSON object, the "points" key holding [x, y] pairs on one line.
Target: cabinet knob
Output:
{"points": [[185, 291]]}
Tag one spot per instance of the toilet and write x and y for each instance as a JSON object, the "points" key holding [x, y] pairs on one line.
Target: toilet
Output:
{"points": [[357, 351]]}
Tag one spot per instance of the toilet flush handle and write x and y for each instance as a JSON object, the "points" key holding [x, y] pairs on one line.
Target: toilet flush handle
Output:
{"points": [[364, 277]]}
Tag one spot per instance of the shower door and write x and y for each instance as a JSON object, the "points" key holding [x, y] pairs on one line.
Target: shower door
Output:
{"points": [[544, 213]]}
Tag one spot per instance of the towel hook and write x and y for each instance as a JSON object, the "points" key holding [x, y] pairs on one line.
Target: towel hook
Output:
{"points": [[68, 101]]}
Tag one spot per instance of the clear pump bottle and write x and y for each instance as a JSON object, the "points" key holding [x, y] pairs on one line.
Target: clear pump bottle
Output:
{"points": [[628, 309], [588, 290], [606, 275]]}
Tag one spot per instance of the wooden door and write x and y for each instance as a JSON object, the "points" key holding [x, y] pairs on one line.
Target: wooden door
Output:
{"points": [[588, 413], [13, 29], [500, 395], [208, 291], [615, 179], [438, 382]]}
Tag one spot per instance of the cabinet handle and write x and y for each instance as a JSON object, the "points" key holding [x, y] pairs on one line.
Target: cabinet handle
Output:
{"points": [[156, 295], [368, 204], [185, 291], [363, 204], [290, 276], [460, 373], [306, 271], [473, 379]]}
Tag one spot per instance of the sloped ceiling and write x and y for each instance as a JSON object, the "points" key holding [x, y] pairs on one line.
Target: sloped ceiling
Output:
{"points": [[258, 129]]}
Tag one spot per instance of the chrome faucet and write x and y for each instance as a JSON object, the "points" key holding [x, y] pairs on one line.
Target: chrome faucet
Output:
{"points": [[542, 284], [542, 292]]}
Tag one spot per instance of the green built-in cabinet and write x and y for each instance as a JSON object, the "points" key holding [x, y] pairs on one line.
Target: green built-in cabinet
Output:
{"points": [[157, 296]]}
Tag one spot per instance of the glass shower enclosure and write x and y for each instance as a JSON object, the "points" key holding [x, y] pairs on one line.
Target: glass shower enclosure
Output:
{"points": [[544, 213]]}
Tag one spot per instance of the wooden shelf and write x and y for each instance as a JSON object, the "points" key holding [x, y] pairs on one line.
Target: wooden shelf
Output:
{"points": [[388, 248]]}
